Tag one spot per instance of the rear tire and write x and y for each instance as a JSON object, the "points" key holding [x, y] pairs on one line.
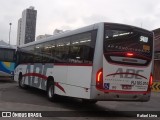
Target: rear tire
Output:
{"points": [[50, 91], [21, 82]]}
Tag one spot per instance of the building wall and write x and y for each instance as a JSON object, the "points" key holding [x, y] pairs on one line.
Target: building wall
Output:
{"points": [[156, 73], [23, 25], [157, 39], [42, 36], [19, 31], [28, 26]]}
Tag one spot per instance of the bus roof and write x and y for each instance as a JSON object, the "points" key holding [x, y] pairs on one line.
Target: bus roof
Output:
{"points": [[73, 32], [61, 35], [8, 47]]}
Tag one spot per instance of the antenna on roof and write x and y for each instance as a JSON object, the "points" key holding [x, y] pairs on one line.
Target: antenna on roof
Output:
{"points": [[141, 24]]}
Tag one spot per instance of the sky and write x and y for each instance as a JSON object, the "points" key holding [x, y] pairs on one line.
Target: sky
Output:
{"points": [[72, 14]]}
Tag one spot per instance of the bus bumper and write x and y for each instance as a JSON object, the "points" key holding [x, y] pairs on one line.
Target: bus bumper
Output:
{"points": [[102, 95]]}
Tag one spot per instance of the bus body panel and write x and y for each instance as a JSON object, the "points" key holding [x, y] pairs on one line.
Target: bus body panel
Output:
{"points": [[72, 91], [101, 95], [97, 60], [125, 78], [79, 76], [60, 74], [34, 75], [73, 81], [6, 68]]}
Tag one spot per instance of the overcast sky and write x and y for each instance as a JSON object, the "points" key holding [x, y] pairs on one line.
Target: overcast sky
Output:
{"points": [[72, 14]]}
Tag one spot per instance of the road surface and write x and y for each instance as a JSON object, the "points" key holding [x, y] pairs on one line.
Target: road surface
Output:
{"points": [[12, 98]]}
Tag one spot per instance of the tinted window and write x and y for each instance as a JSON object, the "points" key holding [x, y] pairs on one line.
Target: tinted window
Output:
{"points": [[133, 41], [81, 49], [119, 41], [73, 49], [7, 55]]}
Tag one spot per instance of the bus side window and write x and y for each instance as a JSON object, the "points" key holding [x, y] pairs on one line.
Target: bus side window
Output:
{"points": [[80, 48]]}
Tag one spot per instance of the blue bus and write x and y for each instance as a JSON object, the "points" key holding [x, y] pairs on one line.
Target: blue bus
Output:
{"points": [[7, 62]]}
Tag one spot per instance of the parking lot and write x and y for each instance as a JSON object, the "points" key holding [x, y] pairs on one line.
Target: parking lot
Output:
{"points": [[12, 98]]}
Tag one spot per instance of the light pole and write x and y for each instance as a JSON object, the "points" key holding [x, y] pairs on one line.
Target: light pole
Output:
{"points": [[9, 32]]}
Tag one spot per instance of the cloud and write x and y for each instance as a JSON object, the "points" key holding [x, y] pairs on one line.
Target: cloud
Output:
{"points": [[71, 14], [95, 19]]}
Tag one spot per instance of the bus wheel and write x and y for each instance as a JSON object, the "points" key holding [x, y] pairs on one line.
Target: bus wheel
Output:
{"points": [[21, 82], [85, 101], [50, 91]]}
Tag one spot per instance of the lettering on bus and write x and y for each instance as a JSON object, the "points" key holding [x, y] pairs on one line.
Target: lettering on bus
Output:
{"points": [[36, 78], [139, 83], [128, 73]]}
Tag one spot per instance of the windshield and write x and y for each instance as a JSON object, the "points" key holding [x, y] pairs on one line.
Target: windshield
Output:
{"points": [[124, 40], [7, 55]]}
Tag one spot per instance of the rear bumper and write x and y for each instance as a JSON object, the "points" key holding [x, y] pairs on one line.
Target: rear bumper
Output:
{"points": [[126, 97], [102, 95]]}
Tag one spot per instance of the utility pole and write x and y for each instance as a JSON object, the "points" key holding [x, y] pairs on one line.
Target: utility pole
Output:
{"points": [[9, 32]]}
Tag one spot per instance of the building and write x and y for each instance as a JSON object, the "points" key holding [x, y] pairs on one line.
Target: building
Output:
{"points": [[57, 31], [157, 39], [157, 43], [42, 36], [2, 43], [6, 45], [19, 31], [157, 54], [27, 26]]}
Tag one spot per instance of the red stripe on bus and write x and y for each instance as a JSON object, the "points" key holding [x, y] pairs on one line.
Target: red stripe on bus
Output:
{"points": [[59, 86], [126, 73], [45, 78], [36, 75]]}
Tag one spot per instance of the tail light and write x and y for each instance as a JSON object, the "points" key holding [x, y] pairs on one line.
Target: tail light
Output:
{"points": [[129, 54], [99, 79], [150, 83], [151, 80]]}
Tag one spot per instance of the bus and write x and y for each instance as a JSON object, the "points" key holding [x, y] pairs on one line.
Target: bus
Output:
{"points": [[99, 62], [7, 62]]}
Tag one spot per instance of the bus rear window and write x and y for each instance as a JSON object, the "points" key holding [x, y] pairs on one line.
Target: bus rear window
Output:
{"points": [[127, 45], [128, 41]]}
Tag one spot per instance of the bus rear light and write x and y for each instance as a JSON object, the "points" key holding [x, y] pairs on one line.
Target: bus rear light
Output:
{"points": [[129, 54], [150, 83], [99, 76], [151, 80], [99, 79]]}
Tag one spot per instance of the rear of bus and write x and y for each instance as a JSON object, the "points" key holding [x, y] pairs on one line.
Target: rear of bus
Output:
{"points": [[126, 67], [7, 63]]}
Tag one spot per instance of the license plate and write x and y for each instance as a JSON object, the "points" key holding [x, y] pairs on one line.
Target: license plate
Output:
{"points": [[127, 87]]}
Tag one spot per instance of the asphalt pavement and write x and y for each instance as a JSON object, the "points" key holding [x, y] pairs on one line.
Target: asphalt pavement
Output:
{"points": [[12, 98]]}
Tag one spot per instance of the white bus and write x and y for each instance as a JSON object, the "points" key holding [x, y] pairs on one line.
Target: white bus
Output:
{"points": [[100, 62]]}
